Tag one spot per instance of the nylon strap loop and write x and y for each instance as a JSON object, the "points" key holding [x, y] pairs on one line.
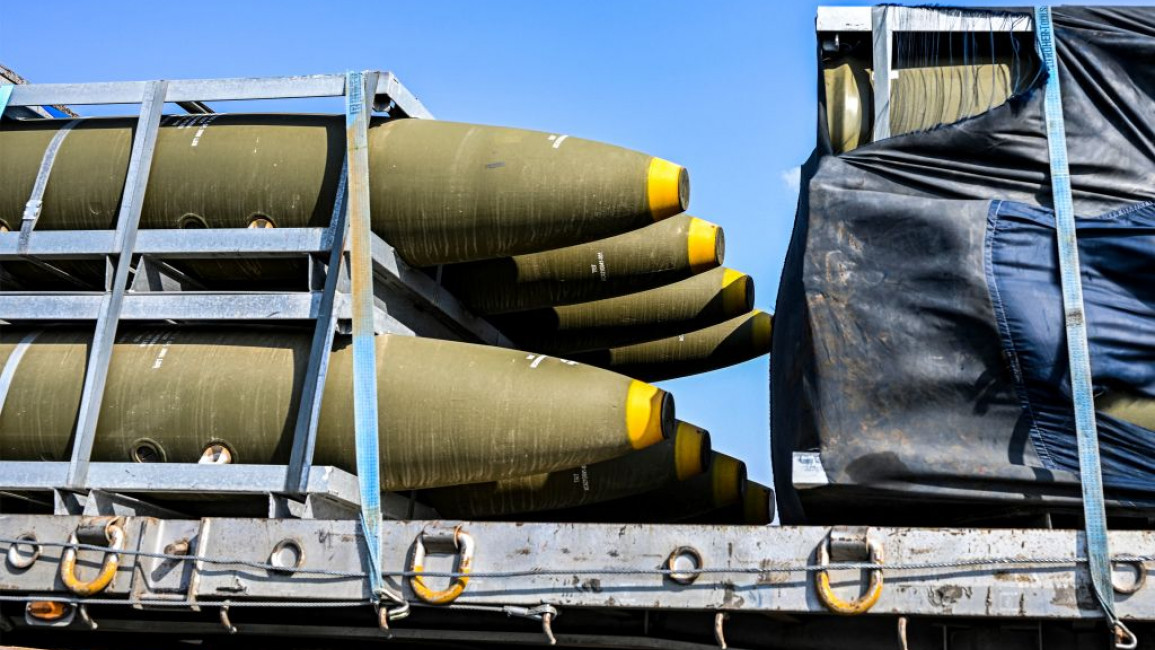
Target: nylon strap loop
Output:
{"points": [[364, 347], [1078, 352]]}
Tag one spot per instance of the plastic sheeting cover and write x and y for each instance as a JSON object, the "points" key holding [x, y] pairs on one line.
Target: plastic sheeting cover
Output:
{"points": [[919, 339]]}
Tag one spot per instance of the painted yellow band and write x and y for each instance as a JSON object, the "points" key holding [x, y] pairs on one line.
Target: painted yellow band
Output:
{"points": [[688, 452], [643, 414], [667, 189], [763, 330], [728, 476], [737, 293], [756, 504], [703, 245]]}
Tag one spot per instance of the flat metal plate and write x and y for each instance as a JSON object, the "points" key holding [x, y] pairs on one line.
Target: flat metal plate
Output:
{"points": [[935, 572]]}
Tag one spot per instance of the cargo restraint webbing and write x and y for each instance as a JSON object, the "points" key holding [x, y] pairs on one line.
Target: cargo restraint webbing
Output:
{"points": [[358, 104], [1078, 354]]}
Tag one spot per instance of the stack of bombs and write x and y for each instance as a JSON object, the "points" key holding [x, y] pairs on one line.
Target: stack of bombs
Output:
{"points": [[579, 251]]}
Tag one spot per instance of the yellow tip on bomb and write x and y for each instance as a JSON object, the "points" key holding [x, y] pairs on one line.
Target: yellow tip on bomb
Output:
{"points": [[667, 189], [705, 245], [691, 450], [649, 414], [729, 480], [737, 293]]}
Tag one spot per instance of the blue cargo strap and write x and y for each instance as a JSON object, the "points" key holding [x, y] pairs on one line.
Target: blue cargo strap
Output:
{"points": [[364, 350], [1090, 475], [5, 95]]}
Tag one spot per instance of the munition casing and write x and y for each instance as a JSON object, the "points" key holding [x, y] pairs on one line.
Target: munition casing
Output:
{"points": [[723, 484], [450, 412], [440, 191], [658, 254], [685, 455], [734, 341], [920, 97], [700, 301], [756, 508]]}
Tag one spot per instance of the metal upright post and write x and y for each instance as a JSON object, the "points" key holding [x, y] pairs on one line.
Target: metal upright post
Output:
{"points": [[882, 37], [308, 416], [359, 98], [5, 95], [144, 143]]}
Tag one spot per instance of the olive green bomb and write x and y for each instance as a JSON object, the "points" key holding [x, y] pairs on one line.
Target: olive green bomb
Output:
{"points": [[449, 412], [696, 302], [652, 256], [733, 341], [755, 509], [685, 455], [440, 192], [722, 485]]}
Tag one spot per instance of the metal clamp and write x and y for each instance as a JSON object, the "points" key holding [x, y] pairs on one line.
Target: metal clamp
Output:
{"points": [[545, 614], [386, 614], [462, 543], [226, 622], [1125, 639], [720, 619], [859, 605], [114, 534]]}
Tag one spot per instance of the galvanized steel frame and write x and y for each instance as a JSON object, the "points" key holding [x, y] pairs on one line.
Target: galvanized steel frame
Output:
{"points": [[428, 305]]}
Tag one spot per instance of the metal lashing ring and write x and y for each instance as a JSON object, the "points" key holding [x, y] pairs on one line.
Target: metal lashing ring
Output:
{"points": [[1140, 577], [859, 605], [287, 556], [463, 542], [114, 533], [20, 559], [680, 575]]}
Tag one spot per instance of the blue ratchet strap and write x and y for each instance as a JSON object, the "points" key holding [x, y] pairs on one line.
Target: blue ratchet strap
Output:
{"points": [[1094, 512], [5, 95], [364, 350]]}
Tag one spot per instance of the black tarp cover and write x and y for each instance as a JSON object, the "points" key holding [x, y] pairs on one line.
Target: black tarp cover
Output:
{"points": [[919, 341]]}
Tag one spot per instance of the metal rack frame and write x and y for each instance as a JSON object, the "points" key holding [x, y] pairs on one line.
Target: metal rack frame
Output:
{"points": [[884, 21], [390, 295]]}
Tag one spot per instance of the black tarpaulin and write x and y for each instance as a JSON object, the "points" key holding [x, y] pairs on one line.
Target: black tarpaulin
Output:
{"points": [[919, 339]]}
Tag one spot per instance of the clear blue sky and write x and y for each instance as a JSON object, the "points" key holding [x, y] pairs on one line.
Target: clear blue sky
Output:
{"points": [[725, 88]]}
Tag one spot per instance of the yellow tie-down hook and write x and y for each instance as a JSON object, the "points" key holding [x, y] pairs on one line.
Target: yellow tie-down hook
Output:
{"points": [[113, 533], [859, 605]]}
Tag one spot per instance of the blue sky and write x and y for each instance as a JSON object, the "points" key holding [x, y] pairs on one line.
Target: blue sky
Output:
{"points": [[725, 88]]}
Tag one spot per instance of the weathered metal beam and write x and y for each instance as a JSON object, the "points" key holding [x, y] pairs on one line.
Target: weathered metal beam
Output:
{"points": [[1002, 573]]}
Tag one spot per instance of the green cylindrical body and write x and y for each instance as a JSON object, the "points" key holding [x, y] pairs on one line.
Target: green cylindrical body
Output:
{"points": [[450, 412], [685, 455], [725, 344], [439, 191], [755, 509], [723, 484], [921, 98], [658, 254], [703, 300]]}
